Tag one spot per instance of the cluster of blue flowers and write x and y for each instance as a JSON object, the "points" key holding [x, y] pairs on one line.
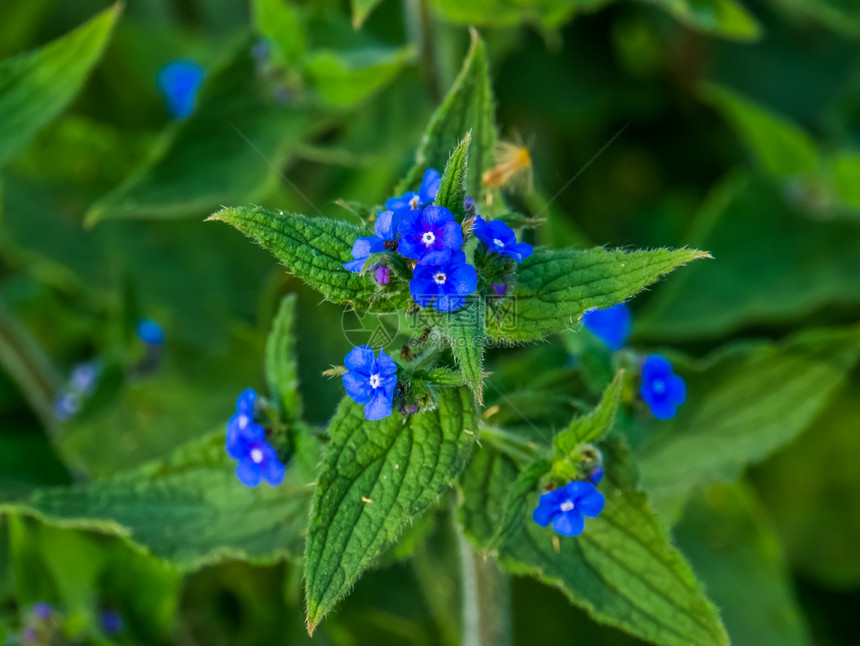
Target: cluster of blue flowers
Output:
{"points": [[80, 385], [246, 442], [660, 388], [370, 381]]}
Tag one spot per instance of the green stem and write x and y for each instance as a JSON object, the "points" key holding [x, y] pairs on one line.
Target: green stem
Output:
{"points": [[419, 30]]}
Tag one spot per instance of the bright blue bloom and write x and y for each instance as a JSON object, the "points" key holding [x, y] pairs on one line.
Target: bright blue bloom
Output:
{"points": [[661, 388], [611, 325], [425, 195], [179, 81], [150, 332], [258, 460], [42, 610], [370, 381], [112, 623], [596, 475], [446, 285], [500, 238], [567, 507], [84, 377], [386, 226], [245, 410], [430, 236], [66, 405]]}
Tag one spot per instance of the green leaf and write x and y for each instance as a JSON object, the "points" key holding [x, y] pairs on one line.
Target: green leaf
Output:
{"points": [[375, 478], [780, 146], [189, 508], [452, 188], [555, 287], [623, 570], [726, 535], [464, 330], [230, 150], [361, 10], [743, 404], [846, 177], [313, 249], [594, 426], [726, 18], [281, 24], [468, 107], [282, 370], [36, 86]]}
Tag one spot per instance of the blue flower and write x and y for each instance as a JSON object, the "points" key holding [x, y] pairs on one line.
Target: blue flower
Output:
{"points": [[245, 410], [596, 475], [661, 388], [66, 405], [84, 377], [258, 460], [179, 81], [446, 285], [42, 610], [112, 623], [150, 332], [385, 238], [611, 325], [500, 238], [425, 195], [370, 381], [567, 507], [430, 236]]}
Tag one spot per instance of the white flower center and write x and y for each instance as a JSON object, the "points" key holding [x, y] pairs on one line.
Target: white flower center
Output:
{"points": [[413, 203], [243, 421], [659, 386], [374, 380], [428, 238], [566, 506], [256, 455], [440, 278], [498, 242]]}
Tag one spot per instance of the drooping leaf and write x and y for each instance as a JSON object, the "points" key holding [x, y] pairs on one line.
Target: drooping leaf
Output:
{"points": [[377, 476], [452, 189], [741, 406], [555, 287], [464, 330], [623, 570], [282, 370], [36, 86]]}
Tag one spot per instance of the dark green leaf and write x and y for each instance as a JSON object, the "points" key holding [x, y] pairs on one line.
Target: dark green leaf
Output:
{"points": [[452, 189], [281, 365], [464, 330], [361, 10]]}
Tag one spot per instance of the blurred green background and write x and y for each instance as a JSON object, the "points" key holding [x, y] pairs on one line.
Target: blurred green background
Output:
{"points": [[741, 135]]}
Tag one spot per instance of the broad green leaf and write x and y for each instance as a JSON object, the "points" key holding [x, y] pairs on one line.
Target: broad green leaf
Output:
{"points": [[726, 535], [361, 9], [846, 177], [190, 508], [281, 365], [780, 146], [452, 188], [314, 249], [36, 86], [376, 477], [230, 150], [799, 266], [623, 570], [280, 22], [726, 18], [742, 405], [464, 330], [468, 107], [596, 424], [555, 287]]}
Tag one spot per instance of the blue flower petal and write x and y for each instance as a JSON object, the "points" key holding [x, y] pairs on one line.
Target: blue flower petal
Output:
{"points": [[569, 523], [379, 406], [543, 514], [385, 364], [355, 266], [387, 223], [611, 325], [249, 473], [429, 186], [662, 410], [361, 359], [179, 81], [656, 366], [591, 503], [676, 390], [357, 385], [246, 401], [448, 303]]}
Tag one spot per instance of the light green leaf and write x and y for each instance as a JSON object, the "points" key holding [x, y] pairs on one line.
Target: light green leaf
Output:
{"points": [[846, 177], [726, 18], [282, 370], [452, 188], [189, 508], [555, 287], [742, 405], [780, 146], [464, 330], [468, 107], [361, 10], [596, 424], [623, 570], [375, 478], [36, 86], [281, 24]]}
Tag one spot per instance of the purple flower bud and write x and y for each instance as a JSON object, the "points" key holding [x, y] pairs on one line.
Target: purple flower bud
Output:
{"points": [[42, 610], [500, 288], [29, 636], [383, 275], [596, 475], [469, 206]]}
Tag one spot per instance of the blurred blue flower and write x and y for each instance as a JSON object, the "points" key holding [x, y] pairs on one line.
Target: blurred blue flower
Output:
{"points": [[245, 410], [387, 223], [611, 325], [500, 289], [258, 460], [567, 507], [425, 195], [66, 405], [150, 332], [661, 388], [445, 285], [501, 239], [112, 623], [370, 381], [84, 377], [42, 610], [596, 475], [178, 81], [430, 236], [29, 635], [470, 207]]}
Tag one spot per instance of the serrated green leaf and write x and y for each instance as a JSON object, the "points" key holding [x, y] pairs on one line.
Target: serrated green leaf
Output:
{"points": [[468, 107], [377, 476], [190, 508], [361, 10], [313, 249], [741, 406], [281, 24], [623, 570], [452, 188], [36, 86], [282, 370], [555, 287], [464, 330], [596, 424]]}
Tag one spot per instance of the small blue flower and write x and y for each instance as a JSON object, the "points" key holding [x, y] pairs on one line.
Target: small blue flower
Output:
{"points": [[112, 623], [66, 405], [661, 388], [42, 610], [179, 81], [567, 507], [258, 460], [245, 411], [386, 226], [430, 236], [425, 195], [150, 332], [370, 381], [611, 325], [446, 285], [84, 377], [500, 238], [596, 475]]}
